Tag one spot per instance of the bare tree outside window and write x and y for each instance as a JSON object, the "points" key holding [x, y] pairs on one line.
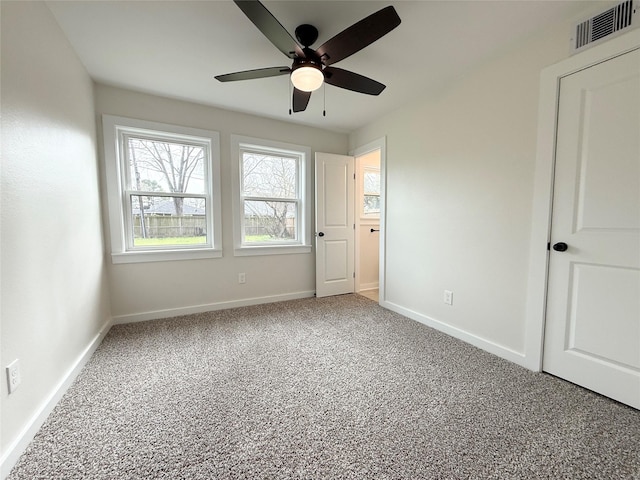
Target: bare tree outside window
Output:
{"points": [[173, 168], [371, 197], [270, 192], [169, 166]]}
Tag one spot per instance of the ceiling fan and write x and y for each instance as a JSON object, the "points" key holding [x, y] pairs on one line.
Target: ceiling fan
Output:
{"points": [[311, 68]]}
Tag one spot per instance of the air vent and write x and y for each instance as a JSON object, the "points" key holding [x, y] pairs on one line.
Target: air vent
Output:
{"points": [[605, 24]]}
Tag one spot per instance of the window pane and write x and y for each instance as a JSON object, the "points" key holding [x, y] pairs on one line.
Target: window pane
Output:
{"points": [[266, 175], [372, 183], [163, 166], [270, 221], [168, 221], [372, 204]]}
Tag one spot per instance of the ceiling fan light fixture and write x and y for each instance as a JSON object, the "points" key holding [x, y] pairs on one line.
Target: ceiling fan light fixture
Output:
{"points": [[311, 68], [307, 77]]}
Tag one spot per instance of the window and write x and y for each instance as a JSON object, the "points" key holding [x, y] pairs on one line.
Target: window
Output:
{"points": [[371, 192], [270, 201], [163, 188]]}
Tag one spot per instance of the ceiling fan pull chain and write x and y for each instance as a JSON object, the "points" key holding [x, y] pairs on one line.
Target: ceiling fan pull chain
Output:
{"points": [[290, 96], [324, 94]]}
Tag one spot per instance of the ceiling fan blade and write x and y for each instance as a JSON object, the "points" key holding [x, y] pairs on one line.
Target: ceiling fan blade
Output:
{"points": [[251, 74], [359, 35], [270, 27], [339, 77], [300, 100]]}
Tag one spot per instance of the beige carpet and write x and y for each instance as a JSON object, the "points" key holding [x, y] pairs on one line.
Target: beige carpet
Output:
{"points": [[334, 388]]}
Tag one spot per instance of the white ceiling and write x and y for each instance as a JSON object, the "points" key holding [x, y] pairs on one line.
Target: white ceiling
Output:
{"points": [[175, 48]]}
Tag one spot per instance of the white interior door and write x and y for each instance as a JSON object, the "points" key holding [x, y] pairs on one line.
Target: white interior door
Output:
{"points": [[592, 330], [334, 224]]}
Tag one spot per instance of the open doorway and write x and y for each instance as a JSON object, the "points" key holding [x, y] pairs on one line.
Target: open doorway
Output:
{"points": [[350, 219], [367, 217], [368, 208]]}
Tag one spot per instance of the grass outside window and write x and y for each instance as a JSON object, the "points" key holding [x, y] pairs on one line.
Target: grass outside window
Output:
{"points": [[153, 242]]}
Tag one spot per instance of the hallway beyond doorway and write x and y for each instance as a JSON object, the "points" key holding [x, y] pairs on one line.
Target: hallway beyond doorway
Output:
{"points": [[372, 294]]}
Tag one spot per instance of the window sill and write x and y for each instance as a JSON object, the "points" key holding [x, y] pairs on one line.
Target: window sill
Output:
{"points": [[271, 250], [165, 255]]}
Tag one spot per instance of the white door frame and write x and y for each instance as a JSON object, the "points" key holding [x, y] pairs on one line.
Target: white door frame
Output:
{"points": [[543, 187], [379, 144]]}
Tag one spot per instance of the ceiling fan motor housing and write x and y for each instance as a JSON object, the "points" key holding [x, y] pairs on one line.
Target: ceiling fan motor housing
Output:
{"points": [[310, 59], [306, 34]]}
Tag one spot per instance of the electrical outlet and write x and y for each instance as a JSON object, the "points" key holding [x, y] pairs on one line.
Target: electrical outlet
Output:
{"points": [[13, 375], [448, 297], [242, 278]]}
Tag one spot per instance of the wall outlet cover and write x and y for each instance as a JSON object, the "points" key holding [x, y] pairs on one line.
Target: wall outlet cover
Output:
{"points": [[13, 375], [448, 297]]}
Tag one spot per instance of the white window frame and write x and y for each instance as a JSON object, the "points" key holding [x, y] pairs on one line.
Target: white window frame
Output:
{"points": [[115, 131], [303, 154]]}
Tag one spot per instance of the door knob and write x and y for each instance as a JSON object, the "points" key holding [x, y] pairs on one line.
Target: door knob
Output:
{"points": [[560, 247], [321, 234]]}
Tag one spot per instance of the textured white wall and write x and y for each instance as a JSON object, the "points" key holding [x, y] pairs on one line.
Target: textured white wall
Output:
{"points": [[460, 171], [54, 289], [156, 289]]}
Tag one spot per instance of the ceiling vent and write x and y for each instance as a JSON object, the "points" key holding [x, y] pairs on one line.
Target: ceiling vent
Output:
{"points": [[604, 25]]}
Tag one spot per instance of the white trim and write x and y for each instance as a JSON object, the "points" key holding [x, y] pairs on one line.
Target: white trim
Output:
{"points": [[209, 307], [271, 250], [543, 186], [165, 255], [369, 286], [379, 144], [112, 128], [484, 344], [301, 151], [24, 438]]}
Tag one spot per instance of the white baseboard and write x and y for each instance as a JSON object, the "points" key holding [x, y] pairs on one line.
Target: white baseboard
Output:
{"points": [[17, 448], [482, 343], [209, 307], [368, 286]]}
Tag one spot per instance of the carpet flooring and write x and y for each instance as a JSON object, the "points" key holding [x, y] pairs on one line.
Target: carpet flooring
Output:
{"points": [[333, 388]]}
